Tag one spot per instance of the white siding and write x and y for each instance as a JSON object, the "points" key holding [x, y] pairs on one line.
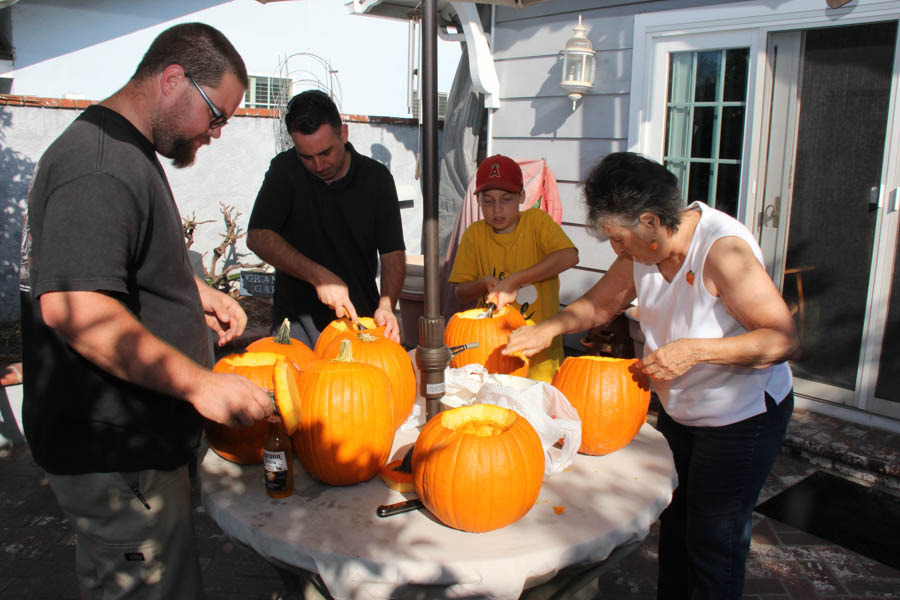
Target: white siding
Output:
{"points": [[536, 119]]}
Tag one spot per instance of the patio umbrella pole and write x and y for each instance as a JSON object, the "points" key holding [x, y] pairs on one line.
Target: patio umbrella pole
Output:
{"points": [[432, 355]]}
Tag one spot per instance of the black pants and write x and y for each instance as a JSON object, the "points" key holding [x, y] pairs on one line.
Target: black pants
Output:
{"points": [[705, 531]]}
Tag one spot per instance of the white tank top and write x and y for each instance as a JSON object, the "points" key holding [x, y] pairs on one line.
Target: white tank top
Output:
{"points": [[706, 395]]}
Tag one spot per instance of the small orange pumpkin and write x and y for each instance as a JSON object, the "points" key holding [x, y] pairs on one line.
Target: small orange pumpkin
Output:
{"points": [[343, 325], [244, 444], [346, 418], [282, 343], [388, 355], [611, 396], [478, 467], [491, 333]]}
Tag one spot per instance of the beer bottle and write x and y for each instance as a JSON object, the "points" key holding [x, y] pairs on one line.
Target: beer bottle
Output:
{"points": [[278, 459]]}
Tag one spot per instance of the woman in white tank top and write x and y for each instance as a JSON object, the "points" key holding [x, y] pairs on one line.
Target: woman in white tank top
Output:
{"points": [[717, 338]]}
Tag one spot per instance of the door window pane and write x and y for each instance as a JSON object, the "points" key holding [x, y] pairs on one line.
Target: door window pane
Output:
{"points": [[735, 75], [709, 67], [703, 132], [732, 132], [707, 93], [699, 178]]}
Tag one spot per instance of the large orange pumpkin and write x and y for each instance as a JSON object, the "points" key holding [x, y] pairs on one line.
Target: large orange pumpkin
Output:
{"points": [[389, 356], [339, 326], [243, 444], [282, 343], [611, 396], [478, 467], [346, 419], [491, 333]]}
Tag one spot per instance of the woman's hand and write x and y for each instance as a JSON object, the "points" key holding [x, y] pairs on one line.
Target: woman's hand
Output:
{"points": [[528, 341], [669, 361]]}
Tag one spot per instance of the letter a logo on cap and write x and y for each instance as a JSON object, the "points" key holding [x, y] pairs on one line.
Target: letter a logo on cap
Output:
{"points": [[498, 172]]}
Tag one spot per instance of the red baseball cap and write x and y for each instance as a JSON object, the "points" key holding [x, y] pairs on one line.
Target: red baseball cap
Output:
{"points": [[499, 172]]}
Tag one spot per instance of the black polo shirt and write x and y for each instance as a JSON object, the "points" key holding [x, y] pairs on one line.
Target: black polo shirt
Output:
{"points": [[343, 226]]}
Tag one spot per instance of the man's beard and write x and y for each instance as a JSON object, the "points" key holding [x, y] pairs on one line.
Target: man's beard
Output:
{"points": [[183, 152], [171, 144]]}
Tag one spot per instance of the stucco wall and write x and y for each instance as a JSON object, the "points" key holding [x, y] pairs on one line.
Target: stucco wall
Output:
{"points": [[228, 171]]}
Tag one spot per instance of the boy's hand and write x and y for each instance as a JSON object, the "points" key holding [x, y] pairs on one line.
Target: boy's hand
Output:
{"points": [[503, 292]]}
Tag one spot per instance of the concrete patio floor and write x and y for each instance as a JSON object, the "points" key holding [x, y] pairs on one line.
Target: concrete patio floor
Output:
{"points": [[37, 544]]}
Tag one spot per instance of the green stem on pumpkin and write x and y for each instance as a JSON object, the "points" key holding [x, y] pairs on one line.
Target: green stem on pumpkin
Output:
{"points": [[284, 333], [345, 352]]}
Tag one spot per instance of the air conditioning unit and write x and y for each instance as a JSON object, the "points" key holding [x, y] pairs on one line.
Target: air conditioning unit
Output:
{"points": [[442, 104], [267, 92]]}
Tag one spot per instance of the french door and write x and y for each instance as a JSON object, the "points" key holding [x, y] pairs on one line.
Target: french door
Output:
{"points": [[828, 218]]}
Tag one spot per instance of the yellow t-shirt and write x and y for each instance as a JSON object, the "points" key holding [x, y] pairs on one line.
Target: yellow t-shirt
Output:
{"points": [[482, 252]]}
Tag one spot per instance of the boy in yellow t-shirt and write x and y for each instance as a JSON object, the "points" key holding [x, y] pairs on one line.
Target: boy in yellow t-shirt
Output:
{"points": [[514, 258]]}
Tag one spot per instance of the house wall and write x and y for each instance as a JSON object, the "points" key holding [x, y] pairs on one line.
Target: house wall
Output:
{"points": [[228, 171], [536, 119]]}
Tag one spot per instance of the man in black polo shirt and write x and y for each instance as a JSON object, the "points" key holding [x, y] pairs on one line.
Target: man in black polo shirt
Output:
{"points": [[323, 217]]}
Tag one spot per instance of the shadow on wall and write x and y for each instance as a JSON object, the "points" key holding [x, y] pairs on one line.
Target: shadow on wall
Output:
{"points": [[382, 155], [17, 172]]}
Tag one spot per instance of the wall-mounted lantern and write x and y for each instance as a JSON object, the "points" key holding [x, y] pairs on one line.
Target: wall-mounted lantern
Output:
{"points": [[579, 65]]}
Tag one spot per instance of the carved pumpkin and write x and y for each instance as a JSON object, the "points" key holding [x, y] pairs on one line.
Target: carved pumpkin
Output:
{"points": [[390, 357], [243, 444], [339, 326], [611, 396], [282, 343], [491, 333], [478, 467], [346, 419]]}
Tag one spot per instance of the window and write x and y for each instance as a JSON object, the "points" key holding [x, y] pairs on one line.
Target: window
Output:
{"points": [[705, 111], [267, 92]]}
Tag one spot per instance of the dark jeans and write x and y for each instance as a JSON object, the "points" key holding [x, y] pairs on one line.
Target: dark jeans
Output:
{"points": [[705, 532]]}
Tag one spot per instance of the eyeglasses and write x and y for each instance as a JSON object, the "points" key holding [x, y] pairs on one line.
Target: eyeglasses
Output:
{"points": [[219, 119]]}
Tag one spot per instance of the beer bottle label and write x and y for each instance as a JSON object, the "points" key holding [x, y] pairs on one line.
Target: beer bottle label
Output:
{"points": [[276, 470]]}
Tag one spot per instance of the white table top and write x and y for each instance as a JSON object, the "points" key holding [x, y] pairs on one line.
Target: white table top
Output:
{"points": [[334, 531]]}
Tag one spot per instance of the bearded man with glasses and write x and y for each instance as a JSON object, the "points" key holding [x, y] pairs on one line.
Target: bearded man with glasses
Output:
{"points": [[115, 324]]}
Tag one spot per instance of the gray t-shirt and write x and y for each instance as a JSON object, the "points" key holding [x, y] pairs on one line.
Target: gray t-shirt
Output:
{"points": [[102, 218]]}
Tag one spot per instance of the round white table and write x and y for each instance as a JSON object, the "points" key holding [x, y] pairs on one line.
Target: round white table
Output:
{"points": [[597, 504]]}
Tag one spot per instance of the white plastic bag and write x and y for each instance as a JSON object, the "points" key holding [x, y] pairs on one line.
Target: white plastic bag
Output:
{"points": [[544, 406]]}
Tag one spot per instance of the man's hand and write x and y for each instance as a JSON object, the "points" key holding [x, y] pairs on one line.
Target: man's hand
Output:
{"points": [[222, 312], [333, 293], [384, 316], [230, 399]]}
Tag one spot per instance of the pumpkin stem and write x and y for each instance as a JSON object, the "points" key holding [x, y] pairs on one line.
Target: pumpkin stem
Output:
{"points": [[284, 333], [345, 352]]}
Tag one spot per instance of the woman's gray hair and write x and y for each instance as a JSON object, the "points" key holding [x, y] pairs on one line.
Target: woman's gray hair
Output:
{"points": [[625, 185]]}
